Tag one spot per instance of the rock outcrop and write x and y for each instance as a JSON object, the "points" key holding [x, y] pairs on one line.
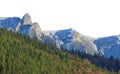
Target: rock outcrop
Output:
{"points": [[23, 26], [26, 19], [35, 31]]}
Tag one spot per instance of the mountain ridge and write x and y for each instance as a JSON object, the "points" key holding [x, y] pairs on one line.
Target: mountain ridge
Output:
{"points": [[67, 39]]}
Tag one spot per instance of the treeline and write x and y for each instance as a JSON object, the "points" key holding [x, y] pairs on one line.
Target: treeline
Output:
{"points": [[111, 64], [19, 54]]}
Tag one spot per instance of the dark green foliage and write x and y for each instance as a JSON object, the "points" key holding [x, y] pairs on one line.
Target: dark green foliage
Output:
{"points": [[19, 54], [110, 64]]}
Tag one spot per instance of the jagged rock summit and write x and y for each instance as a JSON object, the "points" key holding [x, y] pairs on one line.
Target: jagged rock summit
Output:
{"points": [[26, 19], [23, 26]]}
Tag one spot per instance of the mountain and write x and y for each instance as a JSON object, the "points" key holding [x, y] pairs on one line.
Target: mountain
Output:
{"points": [[23, 26], [109, 46], [20, 54], [72, 40], [67, 39]]}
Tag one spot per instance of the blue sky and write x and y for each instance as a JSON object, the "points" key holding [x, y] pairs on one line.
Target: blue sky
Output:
{"points": [[95, 18]]}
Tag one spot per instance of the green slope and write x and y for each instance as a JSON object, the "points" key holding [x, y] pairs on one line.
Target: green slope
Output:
{"points": [[20, 54]]}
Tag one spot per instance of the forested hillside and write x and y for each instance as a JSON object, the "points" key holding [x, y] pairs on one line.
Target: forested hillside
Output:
{"points": [[19, 54]]}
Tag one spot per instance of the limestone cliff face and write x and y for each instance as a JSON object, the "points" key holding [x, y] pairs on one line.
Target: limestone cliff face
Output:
{"points": [[76, 36], [35, 31], [18, 27]]}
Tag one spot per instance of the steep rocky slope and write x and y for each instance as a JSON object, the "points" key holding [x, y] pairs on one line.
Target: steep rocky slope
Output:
{"points": [[72, 40], [23, 26], [109, 46]]}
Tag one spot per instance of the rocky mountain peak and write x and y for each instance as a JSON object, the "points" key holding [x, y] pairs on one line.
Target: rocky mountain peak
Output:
{"points": [[26, 19], [23, 26], [30, 28]]}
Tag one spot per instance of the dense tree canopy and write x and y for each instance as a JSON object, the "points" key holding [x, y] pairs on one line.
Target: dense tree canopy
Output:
{"points": [[19, 54]]}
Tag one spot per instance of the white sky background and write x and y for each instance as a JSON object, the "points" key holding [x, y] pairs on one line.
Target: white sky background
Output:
{"points": [[95, 18]]}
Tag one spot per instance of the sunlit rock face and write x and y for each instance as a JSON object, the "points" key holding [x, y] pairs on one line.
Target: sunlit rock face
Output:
{"points": [[29, 28], [23, 26], [26, 19], [72, 40], [35, 31]]}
